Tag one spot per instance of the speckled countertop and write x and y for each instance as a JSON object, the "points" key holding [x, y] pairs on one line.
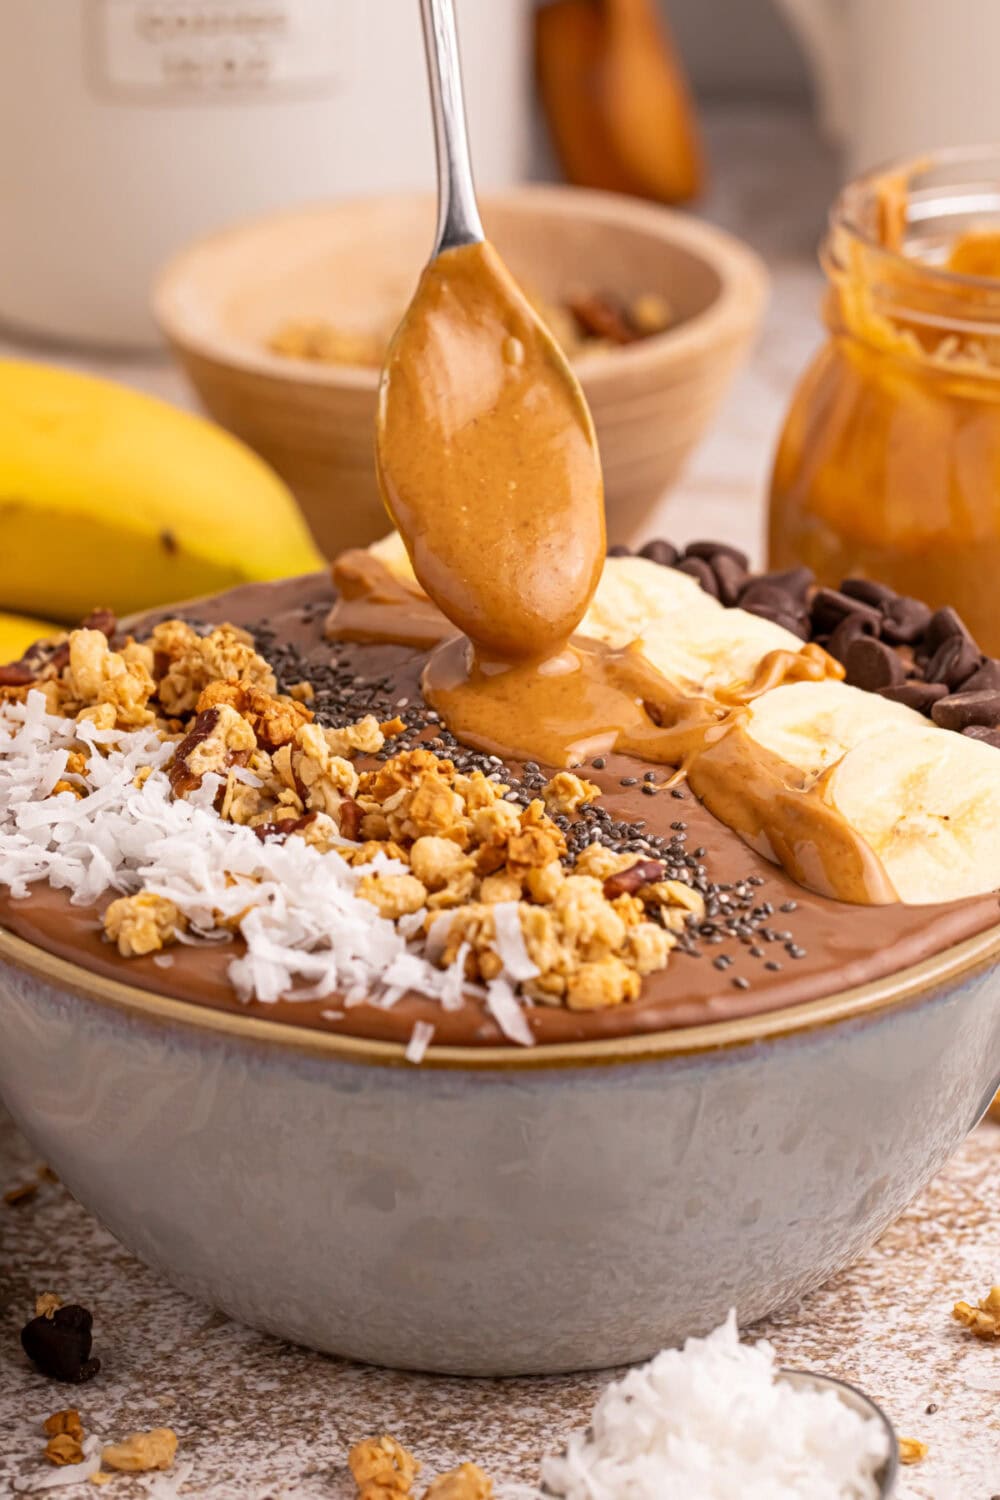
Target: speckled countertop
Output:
{"points": [[259, 1420]]}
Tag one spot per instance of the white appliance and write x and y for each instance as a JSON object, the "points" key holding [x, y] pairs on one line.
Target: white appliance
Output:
{"points": [[896, 78], [129, 126]]}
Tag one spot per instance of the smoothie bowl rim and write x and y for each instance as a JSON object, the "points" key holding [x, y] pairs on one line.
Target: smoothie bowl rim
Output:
{"points": [[918, 981]]}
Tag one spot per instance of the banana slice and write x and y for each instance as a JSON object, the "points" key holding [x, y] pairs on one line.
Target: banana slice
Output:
{"points": [[812, 725], [927, 801], [708, 649], [634, 593], [391, 553]]}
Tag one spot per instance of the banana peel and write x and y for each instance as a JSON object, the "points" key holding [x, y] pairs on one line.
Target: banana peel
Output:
{"points": [[615, 98], [108, 495]]}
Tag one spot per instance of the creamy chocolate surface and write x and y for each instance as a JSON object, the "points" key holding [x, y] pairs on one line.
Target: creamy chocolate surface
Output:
{"points": [[818, 947]]}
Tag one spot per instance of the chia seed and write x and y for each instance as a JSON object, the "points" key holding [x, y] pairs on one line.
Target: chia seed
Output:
{"points": [[343, 695]]}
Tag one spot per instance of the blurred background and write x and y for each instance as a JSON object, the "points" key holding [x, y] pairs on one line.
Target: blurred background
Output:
{"points": [[132, 129]]}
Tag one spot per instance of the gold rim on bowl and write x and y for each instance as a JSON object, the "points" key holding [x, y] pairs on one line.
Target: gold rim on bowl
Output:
{"points": [[863, 1000]]}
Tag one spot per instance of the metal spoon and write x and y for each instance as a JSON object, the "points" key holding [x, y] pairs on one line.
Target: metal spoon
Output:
{"points": [[458, 213]]}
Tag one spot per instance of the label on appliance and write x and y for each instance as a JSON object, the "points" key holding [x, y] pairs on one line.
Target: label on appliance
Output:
{"points": [[162, 51]]}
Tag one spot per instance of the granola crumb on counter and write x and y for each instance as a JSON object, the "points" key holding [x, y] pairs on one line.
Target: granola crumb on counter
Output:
{"points": [[467, 1482], [912, 1450], [982, 1321], [382, 1468], [142, 1451]]}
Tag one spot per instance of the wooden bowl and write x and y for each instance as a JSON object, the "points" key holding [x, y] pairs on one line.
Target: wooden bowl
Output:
{"points": [[355, 264]]}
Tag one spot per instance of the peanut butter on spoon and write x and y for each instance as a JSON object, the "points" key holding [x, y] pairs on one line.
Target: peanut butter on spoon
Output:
{"points": [[488, 461], [488, 465]]}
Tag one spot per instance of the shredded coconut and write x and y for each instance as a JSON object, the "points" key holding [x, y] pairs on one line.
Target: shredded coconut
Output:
{"points": [[713, 1421], [511, 948], [420, 1040], [306, 932]]}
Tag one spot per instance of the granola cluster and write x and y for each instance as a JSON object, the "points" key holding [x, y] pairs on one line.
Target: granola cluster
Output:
{"points": [[454, 849], [984, 1320], [384, 1470]]}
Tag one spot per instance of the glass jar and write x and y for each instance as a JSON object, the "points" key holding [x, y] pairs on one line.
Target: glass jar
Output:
{"points": [[889, 462]]}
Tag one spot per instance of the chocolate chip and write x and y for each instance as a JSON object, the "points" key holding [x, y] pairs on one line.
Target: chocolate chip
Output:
{"points": [[904, 620], [759, 592], [795, 623], [627, 882], [60, 1346], [984, 678], [872, 665], [943, 625], [985, 733], [919, 695], [829, 607], [960, 710], [730, 577], [698, 568], [851, 628], [710, 551], [618, 550], [794, 581], [954, 661], [659, 551], [868, 591]]}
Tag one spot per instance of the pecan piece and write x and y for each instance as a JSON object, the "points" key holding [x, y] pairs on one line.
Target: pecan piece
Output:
{"points": [[627, 882], [16, 674], [181, 777]]}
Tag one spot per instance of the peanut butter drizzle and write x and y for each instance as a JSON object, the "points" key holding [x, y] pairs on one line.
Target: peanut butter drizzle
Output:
{"points": [[487, 460], [374, 605], [591, 700], [488, 465]]}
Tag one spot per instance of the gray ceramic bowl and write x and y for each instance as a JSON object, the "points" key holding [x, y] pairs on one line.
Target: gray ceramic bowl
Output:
{"points": [[498, 1211]]}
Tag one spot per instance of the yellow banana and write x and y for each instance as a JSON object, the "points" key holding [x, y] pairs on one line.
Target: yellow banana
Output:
{"points": [[111, 497], [18, 632]]}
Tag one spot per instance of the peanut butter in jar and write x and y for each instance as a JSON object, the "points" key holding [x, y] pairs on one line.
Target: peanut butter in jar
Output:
{"points": [[889, 462]]}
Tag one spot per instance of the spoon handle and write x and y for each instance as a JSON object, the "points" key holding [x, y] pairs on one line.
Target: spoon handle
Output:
{"points": [[458, 213]]}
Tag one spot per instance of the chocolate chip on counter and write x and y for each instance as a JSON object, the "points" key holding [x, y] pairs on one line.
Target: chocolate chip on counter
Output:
{"points": [[918, 695], [60, 1346], [985, 733], [830, 606], [868, 591], [618, 550], [627, 882], [851, 628], [904, 620], [986, 677], [960, 710], [872, 665], [954, 661], [730, 577], [711, 550], [659, 551], [698, 568]]}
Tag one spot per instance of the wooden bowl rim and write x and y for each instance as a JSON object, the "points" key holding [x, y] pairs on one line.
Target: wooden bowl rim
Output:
{"points": [[731, 316]]}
